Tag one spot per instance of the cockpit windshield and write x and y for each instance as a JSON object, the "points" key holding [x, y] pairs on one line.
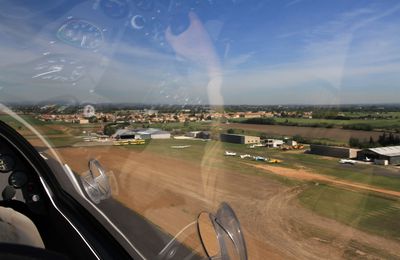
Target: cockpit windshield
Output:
{"points": [[219, 129]]}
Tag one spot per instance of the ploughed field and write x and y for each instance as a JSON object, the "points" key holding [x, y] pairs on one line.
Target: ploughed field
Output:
{"points": [[336, 134], [283, 217]]}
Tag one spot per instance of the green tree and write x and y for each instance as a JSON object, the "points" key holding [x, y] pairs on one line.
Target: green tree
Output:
{"points": [[354, 142], [230, 131]]}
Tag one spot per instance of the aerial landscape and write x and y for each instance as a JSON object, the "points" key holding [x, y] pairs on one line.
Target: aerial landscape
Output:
{"points": [[284, 115], [316, 161]]}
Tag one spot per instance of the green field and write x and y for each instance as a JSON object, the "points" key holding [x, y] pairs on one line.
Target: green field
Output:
{"points": [[372, 175], [392, 124], [376, 124], [365, 211], [210, 154]]}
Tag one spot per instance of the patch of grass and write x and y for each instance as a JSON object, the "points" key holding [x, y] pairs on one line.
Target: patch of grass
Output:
{"points": [[62, 141], [374, 123], [43, 127], [365, 211], [211, 154], [372, 175]]}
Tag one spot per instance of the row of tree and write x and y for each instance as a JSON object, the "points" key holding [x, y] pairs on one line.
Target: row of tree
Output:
{"points": [[271, 121], [384, 139]]}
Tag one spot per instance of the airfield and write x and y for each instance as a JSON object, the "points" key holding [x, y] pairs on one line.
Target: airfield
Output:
{"points": [[306, 207], [289, 210]]}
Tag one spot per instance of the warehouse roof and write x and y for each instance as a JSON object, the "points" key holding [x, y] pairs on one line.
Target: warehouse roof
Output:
{"points": [[151, 131], [388, 151]]}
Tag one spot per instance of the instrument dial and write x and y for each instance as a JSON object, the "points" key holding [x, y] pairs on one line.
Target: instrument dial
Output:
{"points": [[60, 69], [81, 34], [7, 163], [18, 179]]}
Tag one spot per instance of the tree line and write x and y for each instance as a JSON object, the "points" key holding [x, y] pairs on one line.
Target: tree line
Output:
{"points": [[385, 139]]}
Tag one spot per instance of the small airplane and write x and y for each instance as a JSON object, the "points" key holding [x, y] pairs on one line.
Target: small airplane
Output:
{"points": [[243, 156], [274, 161], [347, 161], [180, 146], [259, 158], [256, 145], [229, 153]]}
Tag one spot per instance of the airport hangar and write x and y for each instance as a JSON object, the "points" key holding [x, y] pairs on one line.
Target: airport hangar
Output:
{"points": [[239, 139], [147, 133], [389, 153]]}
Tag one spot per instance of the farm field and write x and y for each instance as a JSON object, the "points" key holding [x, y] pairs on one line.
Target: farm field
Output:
{"points": [[376, 124], [331, 134], [151, 184]]}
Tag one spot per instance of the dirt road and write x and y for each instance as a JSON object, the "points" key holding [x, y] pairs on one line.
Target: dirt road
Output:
{"points": [[170, 192]]}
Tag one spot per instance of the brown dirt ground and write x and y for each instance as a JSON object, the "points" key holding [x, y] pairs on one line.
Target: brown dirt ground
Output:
{"points": [[171, 192]]}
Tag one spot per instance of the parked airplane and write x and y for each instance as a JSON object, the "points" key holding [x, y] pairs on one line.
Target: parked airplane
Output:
{"points": [[180, 146], [229, 153], [259, 158], [245, 156], [347, 161]]}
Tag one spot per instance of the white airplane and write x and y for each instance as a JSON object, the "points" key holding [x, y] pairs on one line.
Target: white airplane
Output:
{"points": [[245, 156], [180, 146], [347, 161], [229, 153], [259, 158]]}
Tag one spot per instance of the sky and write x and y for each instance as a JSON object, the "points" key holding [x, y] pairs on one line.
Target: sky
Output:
{"points": [[200, 51]]}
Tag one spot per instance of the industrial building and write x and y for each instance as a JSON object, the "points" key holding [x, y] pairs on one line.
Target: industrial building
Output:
{"points": [[334, 151], [274, 143], [145, 133], [153, 133], [125, 134], [239, 139], [379, 155], [199, 134]]}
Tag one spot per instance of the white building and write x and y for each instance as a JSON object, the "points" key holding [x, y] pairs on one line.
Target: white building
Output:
{"points": [[145, 133], [274, 143]]}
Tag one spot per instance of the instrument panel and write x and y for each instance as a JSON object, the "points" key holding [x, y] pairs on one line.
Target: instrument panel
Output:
{"points": [[18, 180]]}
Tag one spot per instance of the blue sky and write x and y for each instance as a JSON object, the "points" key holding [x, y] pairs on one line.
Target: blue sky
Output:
{"points": [[201, 52]]}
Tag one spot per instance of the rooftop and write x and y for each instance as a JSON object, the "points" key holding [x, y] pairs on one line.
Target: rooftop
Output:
{"points": [[388, 151]]}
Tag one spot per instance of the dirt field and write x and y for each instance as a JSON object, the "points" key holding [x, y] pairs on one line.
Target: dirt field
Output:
{"points": [[342, 135], [171, 192]]}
